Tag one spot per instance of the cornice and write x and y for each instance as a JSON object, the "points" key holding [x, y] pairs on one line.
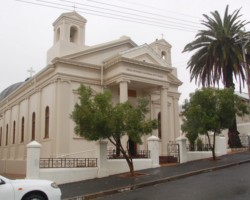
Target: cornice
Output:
{"points": [[75, 63], [103, 46], [118, 59]]}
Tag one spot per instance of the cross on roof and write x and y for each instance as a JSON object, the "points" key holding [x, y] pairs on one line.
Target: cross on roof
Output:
{"points": [[31, 71]]}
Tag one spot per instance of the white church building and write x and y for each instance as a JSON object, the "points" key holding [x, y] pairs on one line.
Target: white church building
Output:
{"points": [[39, 108]]}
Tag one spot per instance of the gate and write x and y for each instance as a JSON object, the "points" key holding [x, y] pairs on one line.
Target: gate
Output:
{"points": [[174, 151]]}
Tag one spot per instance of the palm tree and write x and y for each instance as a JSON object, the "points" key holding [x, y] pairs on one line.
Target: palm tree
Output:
{"points": [[218, 57]]}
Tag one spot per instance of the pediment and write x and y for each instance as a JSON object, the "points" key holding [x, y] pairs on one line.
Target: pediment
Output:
{"points": [[146, 58], [70, 15], [144, 53], [99, 53], [162, 42]]}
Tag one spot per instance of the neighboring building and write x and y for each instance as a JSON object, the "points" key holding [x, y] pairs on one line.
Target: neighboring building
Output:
{"points": [[39, 108]]}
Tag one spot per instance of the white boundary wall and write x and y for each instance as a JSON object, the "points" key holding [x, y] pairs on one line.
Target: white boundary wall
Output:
{"points": [[186, 156], [68, 175], [117, 166], [105, 167]]}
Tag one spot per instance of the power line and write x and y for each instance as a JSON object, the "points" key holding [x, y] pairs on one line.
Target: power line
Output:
{"points": [[156, 8], [126, 8], [108, 15], [152, 19]]}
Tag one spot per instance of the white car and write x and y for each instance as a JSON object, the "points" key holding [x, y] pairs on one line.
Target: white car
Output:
{"points": [[24, 189]]}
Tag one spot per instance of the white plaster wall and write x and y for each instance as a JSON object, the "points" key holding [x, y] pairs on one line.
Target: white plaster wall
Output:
{"points": [[197, 155], [117, 166], [13, 166], [68, 175], [244, 128]]}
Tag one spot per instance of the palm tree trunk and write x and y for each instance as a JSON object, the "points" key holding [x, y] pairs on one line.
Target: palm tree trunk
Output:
{"points": [[233, 134]]}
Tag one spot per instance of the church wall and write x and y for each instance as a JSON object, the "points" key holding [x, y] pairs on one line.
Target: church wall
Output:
{"points": [[47, 99], [80, 72]]}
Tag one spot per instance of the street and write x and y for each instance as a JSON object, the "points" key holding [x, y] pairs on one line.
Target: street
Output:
{"points": [[228, 184]]}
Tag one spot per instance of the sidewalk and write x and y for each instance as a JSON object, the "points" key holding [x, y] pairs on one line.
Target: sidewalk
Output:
{"points": [[91, 189]]}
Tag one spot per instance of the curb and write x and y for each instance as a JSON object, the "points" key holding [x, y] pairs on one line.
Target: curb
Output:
{"points": [[155, 182]]}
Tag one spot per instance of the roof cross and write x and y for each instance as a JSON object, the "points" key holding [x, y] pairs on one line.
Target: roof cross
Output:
{"points": [[31, 71]]}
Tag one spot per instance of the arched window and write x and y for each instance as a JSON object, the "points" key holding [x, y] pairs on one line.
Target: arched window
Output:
{"points": [[14, 132], [46, 135], [159, 125], [22, 130], [33, 129], [163, 55], [7, 132], [1, 132], [58, 34], [73, 34]]}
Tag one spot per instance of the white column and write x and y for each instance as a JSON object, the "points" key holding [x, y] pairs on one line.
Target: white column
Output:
{"points": [[102, 159], [164, 119], [33, 160], [182, 141], [176, 118], [154, 148], [123, 91]]}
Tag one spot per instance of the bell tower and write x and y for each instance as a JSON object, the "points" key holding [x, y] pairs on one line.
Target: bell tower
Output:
{"points": [[69, 35], [163, 49]]}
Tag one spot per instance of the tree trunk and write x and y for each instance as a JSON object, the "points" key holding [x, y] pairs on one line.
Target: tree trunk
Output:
{"points": [[213, 147], [210, 145], [233, 134], [118, 144], [130, 163]]}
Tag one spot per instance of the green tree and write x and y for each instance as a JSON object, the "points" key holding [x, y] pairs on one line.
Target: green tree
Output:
{"points": [[218, 57], [211, 110], [97, 118]]}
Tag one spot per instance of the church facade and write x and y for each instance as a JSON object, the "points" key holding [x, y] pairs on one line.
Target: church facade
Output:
{"points": [[39, 108]]}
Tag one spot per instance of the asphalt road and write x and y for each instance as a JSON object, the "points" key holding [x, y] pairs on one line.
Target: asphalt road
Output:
{"points": [[228, 184]]}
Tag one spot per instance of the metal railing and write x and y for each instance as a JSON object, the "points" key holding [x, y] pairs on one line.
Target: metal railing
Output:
{"points": [[67, 162], [200, 147], [140, 154]]}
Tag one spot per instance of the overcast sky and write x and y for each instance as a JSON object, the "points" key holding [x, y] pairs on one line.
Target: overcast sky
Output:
{"points": [[26, 31]]}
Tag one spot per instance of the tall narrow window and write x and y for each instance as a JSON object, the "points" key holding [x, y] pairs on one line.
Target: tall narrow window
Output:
{"points": [[163, 55], [58, 34], [6, 137], [1, 132], [159, 125], [22, 130], [33, 129], [14, 132], [73, 34], [46, 135]]}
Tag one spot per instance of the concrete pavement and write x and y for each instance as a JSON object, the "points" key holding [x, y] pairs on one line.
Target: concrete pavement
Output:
{"points": [[99, 187]]}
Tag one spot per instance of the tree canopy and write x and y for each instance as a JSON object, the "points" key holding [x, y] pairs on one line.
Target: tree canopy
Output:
{"points": [[97, 118], [211, 110], [218, 56]]}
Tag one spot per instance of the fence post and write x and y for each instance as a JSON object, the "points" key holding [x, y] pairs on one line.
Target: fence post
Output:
{"points": [[154, 148], [220, 146], [182, 141], [33, 160], [102, 159]]}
